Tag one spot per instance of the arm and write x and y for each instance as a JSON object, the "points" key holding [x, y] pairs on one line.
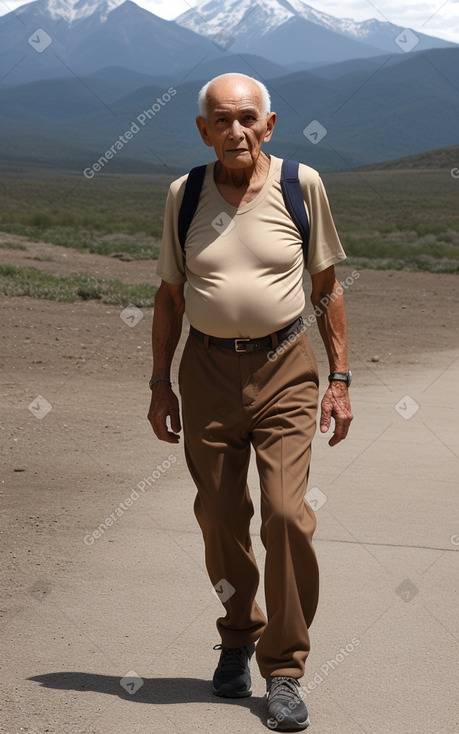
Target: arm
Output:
{"points": [[327, 296], [167, 327]]}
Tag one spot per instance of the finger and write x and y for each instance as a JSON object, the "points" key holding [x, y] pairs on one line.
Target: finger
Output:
{"points": [[172, 437], [160, 429], [335, 439], [340, 432], [164, 435], [175, 421], [325, 419]]}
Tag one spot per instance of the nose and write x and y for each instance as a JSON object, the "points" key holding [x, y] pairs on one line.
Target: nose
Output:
{"points": [[236, 131]]}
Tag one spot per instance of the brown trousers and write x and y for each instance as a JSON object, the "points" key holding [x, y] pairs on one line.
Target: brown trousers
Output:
{"points": [[231, 401]]}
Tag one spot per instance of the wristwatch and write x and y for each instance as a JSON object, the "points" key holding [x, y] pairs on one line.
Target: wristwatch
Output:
{"points": [[341, 376]]}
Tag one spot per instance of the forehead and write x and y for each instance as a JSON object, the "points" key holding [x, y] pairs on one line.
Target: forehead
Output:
{"points": [[233, 93]]}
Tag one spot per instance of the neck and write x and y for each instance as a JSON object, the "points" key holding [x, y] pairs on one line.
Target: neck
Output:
{"points": [[242, 177]]}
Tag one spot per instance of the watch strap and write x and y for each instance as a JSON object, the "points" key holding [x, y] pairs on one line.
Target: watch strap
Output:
{"points": [[158, 379], [341, 377]]}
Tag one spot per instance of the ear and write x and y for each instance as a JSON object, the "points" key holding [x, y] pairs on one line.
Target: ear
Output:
{"points": [[270, 122], [201, 122]]}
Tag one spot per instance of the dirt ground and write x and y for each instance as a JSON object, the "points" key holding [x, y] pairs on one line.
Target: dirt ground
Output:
{"points": [[394, 315], [75, 442]]}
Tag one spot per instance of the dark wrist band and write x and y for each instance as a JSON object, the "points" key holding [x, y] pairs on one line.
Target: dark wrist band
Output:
{"points": [[158, 379], [341, 377]]}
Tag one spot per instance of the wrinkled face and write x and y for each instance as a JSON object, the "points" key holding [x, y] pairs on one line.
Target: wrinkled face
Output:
{"points": [[236, 124]]}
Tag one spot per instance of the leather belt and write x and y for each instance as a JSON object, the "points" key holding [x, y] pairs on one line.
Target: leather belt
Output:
{"points": [[242, 345]]}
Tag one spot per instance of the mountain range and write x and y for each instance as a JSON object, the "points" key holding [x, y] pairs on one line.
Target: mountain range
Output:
{"points": [[75, 76], [291, 32], [59, 38]]}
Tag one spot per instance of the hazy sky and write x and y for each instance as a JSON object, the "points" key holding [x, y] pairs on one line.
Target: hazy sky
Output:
{"points": [[434, 17]]}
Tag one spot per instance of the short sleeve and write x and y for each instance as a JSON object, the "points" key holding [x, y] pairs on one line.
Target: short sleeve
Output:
{"points": [[325, 248], [170, 266]]}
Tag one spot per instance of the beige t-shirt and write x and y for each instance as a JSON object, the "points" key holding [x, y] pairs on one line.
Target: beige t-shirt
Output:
{"points": [[244, 266]]}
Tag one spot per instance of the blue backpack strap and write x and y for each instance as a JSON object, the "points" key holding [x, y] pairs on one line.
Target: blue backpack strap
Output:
{"points": [[293, 199], [190, 201], [291, 191]]}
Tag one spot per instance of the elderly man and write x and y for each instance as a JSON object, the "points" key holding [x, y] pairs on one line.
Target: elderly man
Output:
{"points": [[248, 377]]}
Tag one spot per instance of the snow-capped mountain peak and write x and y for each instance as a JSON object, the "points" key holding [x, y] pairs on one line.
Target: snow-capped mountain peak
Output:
{"points": [[72, 11], [348, 27], [253, 20], [208, 18]]}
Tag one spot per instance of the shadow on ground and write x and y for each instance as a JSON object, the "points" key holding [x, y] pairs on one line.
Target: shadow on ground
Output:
{"points": [[163, 691]]}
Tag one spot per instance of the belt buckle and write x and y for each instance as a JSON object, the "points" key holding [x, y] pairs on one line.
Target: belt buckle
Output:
{"points": [[237, 345]]}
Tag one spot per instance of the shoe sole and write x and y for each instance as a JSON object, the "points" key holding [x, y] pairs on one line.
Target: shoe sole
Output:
{"points": [[288, 724], [226, 691]]}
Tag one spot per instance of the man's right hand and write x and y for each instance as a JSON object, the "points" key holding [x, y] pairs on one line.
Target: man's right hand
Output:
{"points": [[164, 404]]}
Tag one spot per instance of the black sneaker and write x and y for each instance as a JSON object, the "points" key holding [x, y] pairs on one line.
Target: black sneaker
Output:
{"points": [[286, 709], [232, 675]]}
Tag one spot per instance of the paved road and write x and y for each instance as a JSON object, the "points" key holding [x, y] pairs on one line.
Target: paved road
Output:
{"points": [[87, 608]]}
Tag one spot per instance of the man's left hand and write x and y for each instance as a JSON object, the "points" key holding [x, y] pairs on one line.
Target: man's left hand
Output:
{"points": [[336, 404]]}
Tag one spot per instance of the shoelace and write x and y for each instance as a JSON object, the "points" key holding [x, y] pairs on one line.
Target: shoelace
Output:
{"points": [[232, 657], [288, 688]]}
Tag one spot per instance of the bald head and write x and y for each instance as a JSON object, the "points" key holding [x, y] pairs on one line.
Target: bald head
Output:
{"points": [[235, 121], [230, 86]]}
